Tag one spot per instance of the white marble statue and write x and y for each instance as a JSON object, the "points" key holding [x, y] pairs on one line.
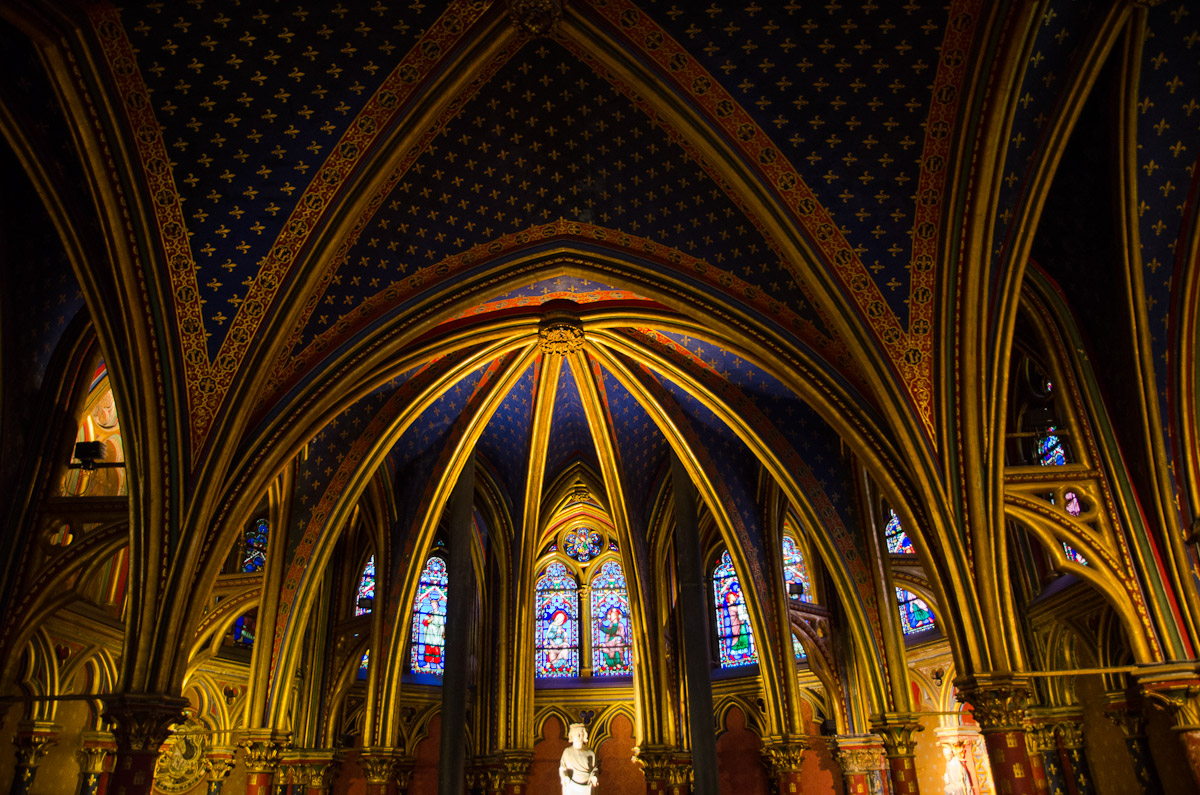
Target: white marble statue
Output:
{"points": [[577, 766]]}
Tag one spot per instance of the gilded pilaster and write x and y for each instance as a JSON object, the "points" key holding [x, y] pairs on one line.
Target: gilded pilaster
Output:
{"points": [[33, 739], [218, 764], [899, 734], [784, 757], [999, 707], [95, 757], [264, 749]]}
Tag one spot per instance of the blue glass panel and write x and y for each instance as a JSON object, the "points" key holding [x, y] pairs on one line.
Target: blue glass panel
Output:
{"points": [[365, 598], [612, 652], [915, 615], [556, 609], [898, 542], [254, 556], [429, 619], [243, 630], [1050, 451], [735, 640]]}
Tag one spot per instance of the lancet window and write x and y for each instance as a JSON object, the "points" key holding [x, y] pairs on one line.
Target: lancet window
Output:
{"points": [[103, 476], [365, 596], [898, 542], [735, 640], [556, 606], [915, 615], [799, 584], [612, 652], [429, 619], [254, 547]]}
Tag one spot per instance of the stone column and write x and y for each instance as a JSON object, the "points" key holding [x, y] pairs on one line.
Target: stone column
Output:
{"points": [[33, 739], [318, 770], [1075, 764], [693, 611], [515, 765], [999, 708], [264, 750], [141, 723], [861, 758], [95, 759], [1132, 723], [452, 762], [900, 745], [681, 773], [495, 781], [218, 764], [783, 757]]}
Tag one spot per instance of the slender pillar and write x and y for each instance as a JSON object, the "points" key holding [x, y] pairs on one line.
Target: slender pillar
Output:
{"points": [[218, 765], [402, 772], [264, 750], [999, 708], [1132, 723], [377, 765], [33, 739], [693, 608], [861, 758], [452, 763], [1041, 739], [95, 758], [141, 723], [783, 756], [1037, 766], [900, 746], [1075, 765]]}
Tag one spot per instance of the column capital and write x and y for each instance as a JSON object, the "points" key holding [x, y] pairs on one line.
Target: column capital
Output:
{"points": [[218, 763], [997, 703], [263, 749], [898, 731], [1040, 737], [142, 721], [1126, 713], [1175, 688], [93, 747], [654, 761], [515, 764], [859, 753], [33, 739], [319, 767], [378, 764], [784, 753]]}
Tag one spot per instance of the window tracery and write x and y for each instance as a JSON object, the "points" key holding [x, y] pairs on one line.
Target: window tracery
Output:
{"points": [[429, 619], [557, 613], [612, 653], [735, 639]]}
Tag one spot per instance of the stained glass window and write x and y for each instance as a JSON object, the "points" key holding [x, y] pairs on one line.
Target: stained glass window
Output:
{"points": [[243, 630], [1050, 451], [556, 608], [612, 653], [1071, 499], [363, 665], [1073, 554], [898, 542], [365, 598], [583, 544], [254, 553], [795, 572], [429, 619], [915, 615], [735, 641]]}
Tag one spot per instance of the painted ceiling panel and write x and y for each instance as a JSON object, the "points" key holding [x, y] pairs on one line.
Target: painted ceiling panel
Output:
{"points": [[844, 90], [547, 139], [505, 441], [1168, 156], [250, 100], [735, 464], [570, 437], [1063, 29], [641, 446]]}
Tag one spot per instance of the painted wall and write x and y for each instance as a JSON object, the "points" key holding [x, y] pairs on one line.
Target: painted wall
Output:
{"points": [[740, 769], [618, 773]]}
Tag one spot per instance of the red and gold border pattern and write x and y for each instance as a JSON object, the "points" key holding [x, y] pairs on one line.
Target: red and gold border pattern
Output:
{"points": [[426, 278], [209, 381]]}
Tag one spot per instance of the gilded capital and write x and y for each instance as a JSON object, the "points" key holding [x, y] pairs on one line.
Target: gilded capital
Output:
{"points": [[899, 733], [142, 721], [997, 706], [560, 333], [263, 749], [33, 739], [378, 764], [859, 754], [654, 761], [784, 754]]}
